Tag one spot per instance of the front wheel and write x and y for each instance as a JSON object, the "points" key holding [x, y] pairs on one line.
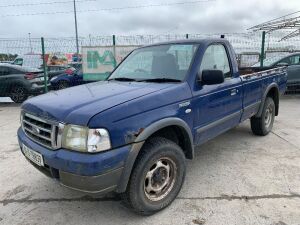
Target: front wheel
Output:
{"points": [[18, 94], [263, 125], [157, 176], [63, 85]]}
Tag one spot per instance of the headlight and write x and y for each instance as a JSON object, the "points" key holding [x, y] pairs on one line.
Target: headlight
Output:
{"points": [[98, 140], [75, 137], [83, 139]]}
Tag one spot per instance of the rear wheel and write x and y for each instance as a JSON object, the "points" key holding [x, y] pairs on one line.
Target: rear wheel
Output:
{"points": [[264, 124], [157, 177], [18, 94], [63, 84]]}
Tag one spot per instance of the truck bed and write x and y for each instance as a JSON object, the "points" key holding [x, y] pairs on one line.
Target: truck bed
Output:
{"points": [[254, 70], [255, 81]]}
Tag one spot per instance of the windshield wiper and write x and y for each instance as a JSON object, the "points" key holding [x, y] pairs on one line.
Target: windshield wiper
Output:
{"points": [[122, 79], [160, 80]]}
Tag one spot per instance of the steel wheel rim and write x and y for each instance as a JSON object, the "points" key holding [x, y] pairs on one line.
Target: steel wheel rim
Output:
{"points": [[268, 116], [17, 93], [160, 179]]}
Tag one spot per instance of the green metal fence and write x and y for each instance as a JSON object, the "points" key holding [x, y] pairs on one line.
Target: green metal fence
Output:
{"points": [[108, 51]]}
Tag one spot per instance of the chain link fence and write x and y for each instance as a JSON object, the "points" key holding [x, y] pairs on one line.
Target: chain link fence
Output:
{"points": [[243, 43], [110, 50]]}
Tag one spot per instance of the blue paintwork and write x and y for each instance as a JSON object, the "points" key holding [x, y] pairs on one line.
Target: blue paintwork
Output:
{"points": [[73, 79], [124, 108], [79, 163]]}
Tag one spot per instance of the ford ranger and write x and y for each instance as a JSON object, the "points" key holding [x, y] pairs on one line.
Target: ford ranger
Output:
{"points": [[133, 132]]}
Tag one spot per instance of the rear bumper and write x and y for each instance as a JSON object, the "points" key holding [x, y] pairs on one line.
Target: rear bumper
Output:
{"points": [[36, 89], [91, 173]]}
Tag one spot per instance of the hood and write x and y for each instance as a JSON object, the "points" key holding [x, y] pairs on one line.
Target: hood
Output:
{"points": [[78, 104]]}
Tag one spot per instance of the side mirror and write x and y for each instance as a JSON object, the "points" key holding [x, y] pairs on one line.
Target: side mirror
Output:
{"points": [[210, 77], [282, 64]]}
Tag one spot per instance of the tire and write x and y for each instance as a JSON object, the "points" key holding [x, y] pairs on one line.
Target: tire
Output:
{"points": [[18, 94], [263, 125], [157, 155], [63, 85]]}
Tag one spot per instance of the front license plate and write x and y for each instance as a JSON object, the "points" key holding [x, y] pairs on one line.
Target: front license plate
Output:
{"points": [[33, 156]]}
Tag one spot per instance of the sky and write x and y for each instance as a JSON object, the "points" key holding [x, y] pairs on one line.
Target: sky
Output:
{"points": [[210, 16]]}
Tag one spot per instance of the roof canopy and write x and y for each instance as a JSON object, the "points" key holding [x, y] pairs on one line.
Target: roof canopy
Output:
{"points": [[289, 22]]}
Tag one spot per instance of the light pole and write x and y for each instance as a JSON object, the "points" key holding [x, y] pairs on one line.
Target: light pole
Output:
{"points": [[76, 29], [90, 38], [30, 42]]}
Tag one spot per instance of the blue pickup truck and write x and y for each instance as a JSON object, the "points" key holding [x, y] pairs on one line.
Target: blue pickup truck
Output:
{"points": [[132, 133]]}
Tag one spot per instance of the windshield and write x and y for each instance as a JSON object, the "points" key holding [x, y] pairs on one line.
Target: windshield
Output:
{"points": [[168, 62]]}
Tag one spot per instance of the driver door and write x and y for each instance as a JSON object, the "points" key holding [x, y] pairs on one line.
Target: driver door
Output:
{"points": [[216, 107], [4, 72], [294, 69]]}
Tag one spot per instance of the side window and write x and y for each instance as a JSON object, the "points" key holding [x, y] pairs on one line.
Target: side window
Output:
{"points": [[215, 58], [18, 61], [292, 60], [295, 60], [286, 60]]}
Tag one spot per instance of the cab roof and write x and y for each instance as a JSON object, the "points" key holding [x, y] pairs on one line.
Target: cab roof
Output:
{"points": [[190, 41]]}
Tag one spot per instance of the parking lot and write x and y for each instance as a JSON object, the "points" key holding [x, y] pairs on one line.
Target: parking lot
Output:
{"points": [[237, 178]]}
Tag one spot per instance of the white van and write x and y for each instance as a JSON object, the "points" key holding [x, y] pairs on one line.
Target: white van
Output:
{"points": [[29, 60]]}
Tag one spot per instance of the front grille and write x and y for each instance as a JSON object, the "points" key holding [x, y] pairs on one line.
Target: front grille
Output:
{"points": [[42, 131]]}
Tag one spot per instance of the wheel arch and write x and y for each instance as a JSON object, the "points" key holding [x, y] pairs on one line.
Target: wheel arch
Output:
{"points": [[150, 131], [18, 83], [271, 91], [166, 123]]}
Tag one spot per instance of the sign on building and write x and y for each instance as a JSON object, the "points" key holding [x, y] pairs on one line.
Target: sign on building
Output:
{"points": [[98, 62]]}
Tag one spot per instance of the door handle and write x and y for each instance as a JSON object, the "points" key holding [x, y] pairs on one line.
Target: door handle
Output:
{"points": [[233, 91]]}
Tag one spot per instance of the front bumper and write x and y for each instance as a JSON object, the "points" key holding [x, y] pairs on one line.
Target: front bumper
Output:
{"points": [[92, 173]]}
